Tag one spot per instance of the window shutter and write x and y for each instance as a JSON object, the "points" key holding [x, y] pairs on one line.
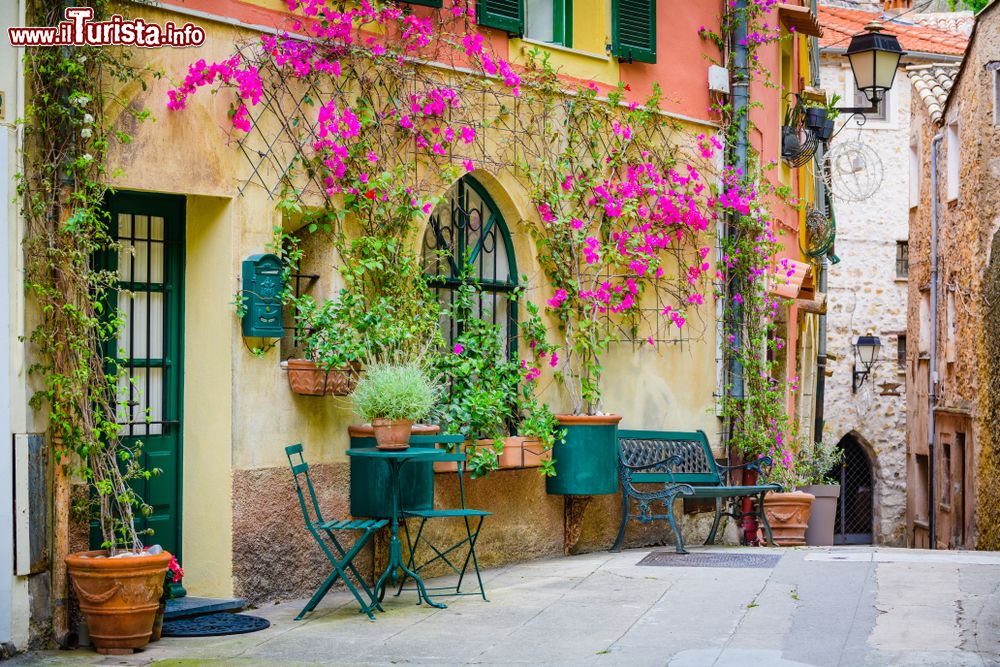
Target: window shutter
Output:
{"points": [[634, 30], [425, 3], [507, 15]]}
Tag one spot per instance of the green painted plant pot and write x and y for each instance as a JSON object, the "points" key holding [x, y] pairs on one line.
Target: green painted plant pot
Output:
{"points": [[370, 492], [586, 462]]}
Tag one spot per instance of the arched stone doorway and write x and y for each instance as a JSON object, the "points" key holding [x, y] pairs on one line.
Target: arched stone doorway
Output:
{"points": [[857, 494]]}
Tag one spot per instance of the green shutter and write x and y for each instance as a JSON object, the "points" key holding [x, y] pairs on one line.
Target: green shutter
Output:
{"points": [[634, 30], [425, 3], [507, 15]]}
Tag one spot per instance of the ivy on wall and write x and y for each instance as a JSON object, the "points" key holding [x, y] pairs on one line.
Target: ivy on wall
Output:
{"points": [[62, 190]]}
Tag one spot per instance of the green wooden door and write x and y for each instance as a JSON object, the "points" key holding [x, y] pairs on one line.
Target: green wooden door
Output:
{"points": [[149, 347]]}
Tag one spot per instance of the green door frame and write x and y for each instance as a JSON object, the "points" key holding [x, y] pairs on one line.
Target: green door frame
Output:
{"points": [[171, 208]]}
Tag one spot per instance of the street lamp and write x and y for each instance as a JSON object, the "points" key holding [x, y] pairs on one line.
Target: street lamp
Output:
{"points": [[874, 57], [866, 354]]}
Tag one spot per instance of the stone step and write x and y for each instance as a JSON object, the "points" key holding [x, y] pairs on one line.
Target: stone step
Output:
{"points": [[189, 606]]}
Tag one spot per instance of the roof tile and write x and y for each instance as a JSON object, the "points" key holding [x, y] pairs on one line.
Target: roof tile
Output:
{"points": [[839, 25], [931, 84]]}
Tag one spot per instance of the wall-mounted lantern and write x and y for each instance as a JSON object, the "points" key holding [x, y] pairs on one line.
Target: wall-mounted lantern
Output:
{"points": [[866, 356], [874, 57]]}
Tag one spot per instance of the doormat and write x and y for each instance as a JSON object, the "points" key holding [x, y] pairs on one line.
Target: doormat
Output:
{"points": [[211, 625], [674, 559]]}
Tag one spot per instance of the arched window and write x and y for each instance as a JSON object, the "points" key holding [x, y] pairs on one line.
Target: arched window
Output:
{"points": [[467, 236]]}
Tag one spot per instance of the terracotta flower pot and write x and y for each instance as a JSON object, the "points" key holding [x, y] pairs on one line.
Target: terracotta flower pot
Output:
{"points": [[788, 514], [392, 434], [307, 379], [521, 452], [118, 596]]}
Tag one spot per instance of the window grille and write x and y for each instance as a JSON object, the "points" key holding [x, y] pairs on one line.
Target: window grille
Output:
{"points": [[902, 259], [901, 352], [467, 235]]}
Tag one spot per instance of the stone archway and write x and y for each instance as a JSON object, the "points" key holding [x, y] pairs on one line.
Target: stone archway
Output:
{"points": [[855, 507]]}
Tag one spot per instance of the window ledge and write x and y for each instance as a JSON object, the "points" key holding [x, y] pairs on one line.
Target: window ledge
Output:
{"points": [[900, 279], [561, 49]]}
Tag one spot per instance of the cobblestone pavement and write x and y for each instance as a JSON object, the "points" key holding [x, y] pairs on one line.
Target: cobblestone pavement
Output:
{"points": [[838, 606]]}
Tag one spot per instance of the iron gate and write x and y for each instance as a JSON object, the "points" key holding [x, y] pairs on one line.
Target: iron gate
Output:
{"points": [[854, 506]]}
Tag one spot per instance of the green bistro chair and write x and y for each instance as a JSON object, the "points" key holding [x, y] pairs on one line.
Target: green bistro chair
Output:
{"points": [[341, 559], [472, 518]]}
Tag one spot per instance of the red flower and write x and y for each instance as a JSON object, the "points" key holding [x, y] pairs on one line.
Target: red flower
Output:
{"points": [[628, 88], [370, 194]]}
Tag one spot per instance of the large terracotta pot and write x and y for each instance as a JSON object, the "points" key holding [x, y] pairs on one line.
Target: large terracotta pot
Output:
{"points": [[158, 622], [307, 379], [392, 433], [788, 514], [823, 516], [118, 596]]}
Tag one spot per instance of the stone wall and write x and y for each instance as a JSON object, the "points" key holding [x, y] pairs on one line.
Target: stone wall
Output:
{"points": [[865, 296], [967, 402]]}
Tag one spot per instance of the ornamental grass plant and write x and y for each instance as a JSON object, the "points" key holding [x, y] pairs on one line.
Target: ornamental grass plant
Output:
{"points": [[395, 391]]}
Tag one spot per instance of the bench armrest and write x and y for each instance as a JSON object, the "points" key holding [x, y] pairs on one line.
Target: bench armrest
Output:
{"points": [[670, 487], [761, 465]]}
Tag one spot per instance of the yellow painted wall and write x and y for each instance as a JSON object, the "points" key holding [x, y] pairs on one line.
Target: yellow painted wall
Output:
{"points": [[239, 412], [208, 398]]}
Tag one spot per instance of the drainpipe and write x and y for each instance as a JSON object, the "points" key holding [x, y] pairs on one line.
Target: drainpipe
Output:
{"points": [[819, 188], [932, 371], [741, 98]]}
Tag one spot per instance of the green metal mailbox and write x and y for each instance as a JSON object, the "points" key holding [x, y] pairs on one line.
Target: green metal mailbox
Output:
{"points": [[261, 292]]}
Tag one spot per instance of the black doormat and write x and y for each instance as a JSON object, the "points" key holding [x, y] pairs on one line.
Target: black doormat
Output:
{"points": [[674, 559], [211, 625]]}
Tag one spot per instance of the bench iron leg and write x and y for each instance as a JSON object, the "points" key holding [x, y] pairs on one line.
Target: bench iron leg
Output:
{"points": [[715, 524], [621, 530], [764, 522], [673, 524]]}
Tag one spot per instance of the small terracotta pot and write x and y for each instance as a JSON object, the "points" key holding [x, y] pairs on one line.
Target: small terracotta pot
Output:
{"points": [[307, 379], [158, 622], [118, 596], [392, 434], [788, 514], [521, 452]]}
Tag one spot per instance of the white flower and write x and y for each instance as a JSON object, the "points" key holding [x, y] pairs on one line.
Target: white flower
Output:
{"points": [[86, 132], [87, 157], [88, 119]]}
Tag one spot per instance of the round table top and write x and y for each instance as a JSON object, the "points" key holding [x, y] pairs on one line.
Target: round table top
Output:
{"points": [[408, 453]]}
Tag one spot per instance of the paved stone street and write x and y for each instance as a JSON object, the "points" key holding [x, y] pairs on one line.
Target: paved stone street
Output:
{"points": [[841, 606]]}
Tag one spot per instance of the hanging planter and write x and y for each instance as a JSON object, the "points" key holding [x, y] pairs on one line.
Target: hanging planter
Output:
{"points": [[825, 133], [586, 461], [306, 378], [815, 117]]}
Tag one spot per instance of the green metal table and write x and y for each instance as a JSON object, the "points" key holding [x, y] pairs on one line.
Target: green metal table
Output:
{"points": [[395, 459]]}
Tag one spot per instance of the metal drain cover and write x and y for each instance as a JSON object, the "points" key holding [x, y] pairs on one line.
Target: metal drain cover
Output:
{"points": [[674, 559]]}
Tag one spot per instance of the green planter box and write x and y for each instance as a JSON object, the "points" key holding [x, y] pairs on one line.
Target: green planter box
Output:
{"points": [[586, 462], [370, 493]]}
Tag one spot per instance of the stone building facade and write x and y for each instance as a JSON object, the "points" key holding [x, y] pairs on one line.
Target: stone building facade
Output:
{"points": [[867, 290], [952, 385]]}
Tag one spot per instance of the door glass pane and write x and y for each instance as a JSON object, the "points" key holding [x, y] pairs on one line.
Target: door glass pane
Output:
{"points": [[141, 334], [140, 401]]}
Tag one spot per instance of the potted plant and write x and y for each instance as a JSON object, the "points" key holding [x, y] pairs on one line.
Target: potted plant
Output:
{"points": [[788, 511], [825, 131], [174, 574], [119, 586], [391, 396], [818, 463], [815, 116], [619, 240], [489, 397]]}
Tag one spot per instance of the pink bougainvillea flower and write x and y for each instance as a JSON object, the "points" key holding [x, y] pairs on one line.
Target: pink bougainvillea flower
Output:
{"points": [[557, 300], [469, 166], [458, 349], [554, 361]]}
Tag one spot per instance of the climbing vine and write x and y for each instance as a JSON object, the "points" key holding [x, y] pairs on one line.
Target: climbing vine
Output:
{"points": [[62, 191]]}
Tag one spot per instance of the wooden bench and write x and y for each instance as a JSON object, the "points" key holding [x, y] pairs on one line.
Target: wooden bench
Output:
{"points": [[681, 464]]}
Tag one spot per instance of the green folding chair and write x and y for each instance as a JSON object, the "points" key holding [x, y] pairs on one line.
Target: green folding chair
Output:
{"points": [[341, 559], [470, 517]]}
